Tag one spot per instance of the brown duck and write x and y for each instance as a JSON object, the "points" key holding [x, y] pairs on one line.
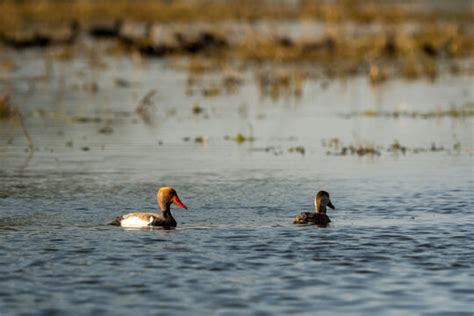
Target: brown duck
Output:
{"points": [[166, 196], [318, 217]]}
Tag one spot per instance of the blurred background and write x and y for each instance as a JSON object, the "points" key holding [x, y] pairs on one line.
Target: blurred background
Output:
{"points": [[237, 71], [93, 75]]}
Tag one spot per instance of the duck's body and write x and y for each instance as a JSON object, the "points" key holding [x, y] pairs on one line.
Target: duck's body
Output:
{"points": [[318, 217], [166, 196], [138, 220], [312, 218]]}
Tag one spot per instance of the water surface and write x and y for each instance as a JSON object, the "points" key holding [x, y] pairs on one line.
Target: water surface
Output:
{"points": [[401, 239]]}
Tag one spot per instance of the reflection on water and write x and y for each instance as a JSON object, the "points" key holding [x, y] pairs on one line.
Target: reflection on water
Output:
{"points": [[400, 240]]}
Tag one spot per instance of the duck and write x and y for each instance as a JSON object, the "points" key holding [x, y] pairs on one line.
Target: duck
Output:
{"points": [[165, 196], [318, 217]]}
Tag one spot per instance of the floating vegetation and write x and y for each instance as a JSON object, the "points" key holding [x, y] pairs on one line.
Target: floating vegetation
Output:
{"points": [[122, 83], [456, 112], [197, 109], [211, 91], [198, 139], [86, 119], [297, 149], [360, 150], [276, 151], [231, 81], [337, 148], [144, 107], [7, 111], [107, 129], [396, 148], [240, 139], [201, 139]]}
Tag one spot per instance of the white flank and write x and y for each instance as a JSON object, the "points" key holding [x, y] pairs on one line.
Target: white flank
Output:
{"points": [[135, 222]]}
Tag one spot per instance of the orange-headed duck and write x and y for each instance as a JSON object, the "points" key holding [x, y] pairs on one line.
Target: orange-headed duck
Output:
{"points": [[166, 196]]}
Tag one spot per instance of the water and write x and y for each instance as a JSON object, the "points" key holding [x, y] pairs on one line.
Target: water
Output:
{"points": [[400, 243]]}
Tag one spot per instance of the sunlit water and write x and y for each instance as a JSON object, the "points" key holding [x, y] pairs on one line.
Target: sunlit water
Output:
{"points": [[400, 241]]}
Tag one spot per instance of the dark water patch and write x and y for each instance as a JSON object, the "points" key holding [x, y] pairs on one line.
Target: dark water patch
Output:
{"points": [[114, 259], [89, 281], [50, 250], [463, 290], [83, 250], [51, 311]]}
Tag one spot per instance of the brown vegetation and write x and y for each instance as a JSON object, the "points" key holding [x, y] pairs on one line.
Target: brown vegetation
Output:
{"points": [[404, 42], [14, 14], [6, 109]]}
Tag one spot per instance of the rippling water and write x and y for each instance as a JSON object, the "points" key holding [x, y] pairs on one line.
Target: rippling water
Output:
{"points": [[400, 243]]}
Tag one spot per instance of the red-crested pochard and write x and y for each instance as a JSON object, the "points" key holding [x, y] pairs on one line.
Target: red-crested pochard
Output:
{"points": [[166, 196]]}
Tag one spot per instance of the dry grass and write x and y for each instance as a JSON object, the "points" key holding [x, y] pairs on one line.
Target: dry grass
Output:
{"points": [[381, 55], [15, 13], [392, 51]]}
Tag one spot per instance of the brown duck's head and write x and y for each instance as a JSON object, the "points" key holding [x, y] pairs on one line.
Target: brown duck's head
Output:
{"points": [[322, 202], [166, 196]]}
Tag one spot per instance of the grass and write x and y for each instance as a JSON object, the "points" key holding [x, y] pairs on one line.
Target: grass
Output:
{"points": [[14, 13]]}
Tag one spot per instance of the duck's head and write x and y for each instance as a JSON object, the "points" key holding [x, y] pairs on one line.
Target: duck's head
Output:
{"points": [[322, 201], [166, 196]]}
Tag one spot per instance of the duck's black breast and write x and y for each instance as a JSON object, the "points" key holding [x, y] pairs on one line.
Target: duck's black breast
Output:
{"points": [[164, 221]]}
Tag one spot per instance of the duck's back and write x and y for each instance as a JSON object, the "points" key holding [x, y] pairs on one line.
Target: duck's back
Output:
{"points": [[312, 218]]}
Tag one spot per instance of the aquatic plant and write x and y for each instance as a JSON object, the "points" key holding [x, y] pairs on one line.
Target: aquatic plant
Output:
{"points": [[240, 138], [297, 149], [457, 112], [107, 128], [143, 108], [211, 91], [197, 109], [201, 139], [395, 147], [337, 148], [7, 111]]}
